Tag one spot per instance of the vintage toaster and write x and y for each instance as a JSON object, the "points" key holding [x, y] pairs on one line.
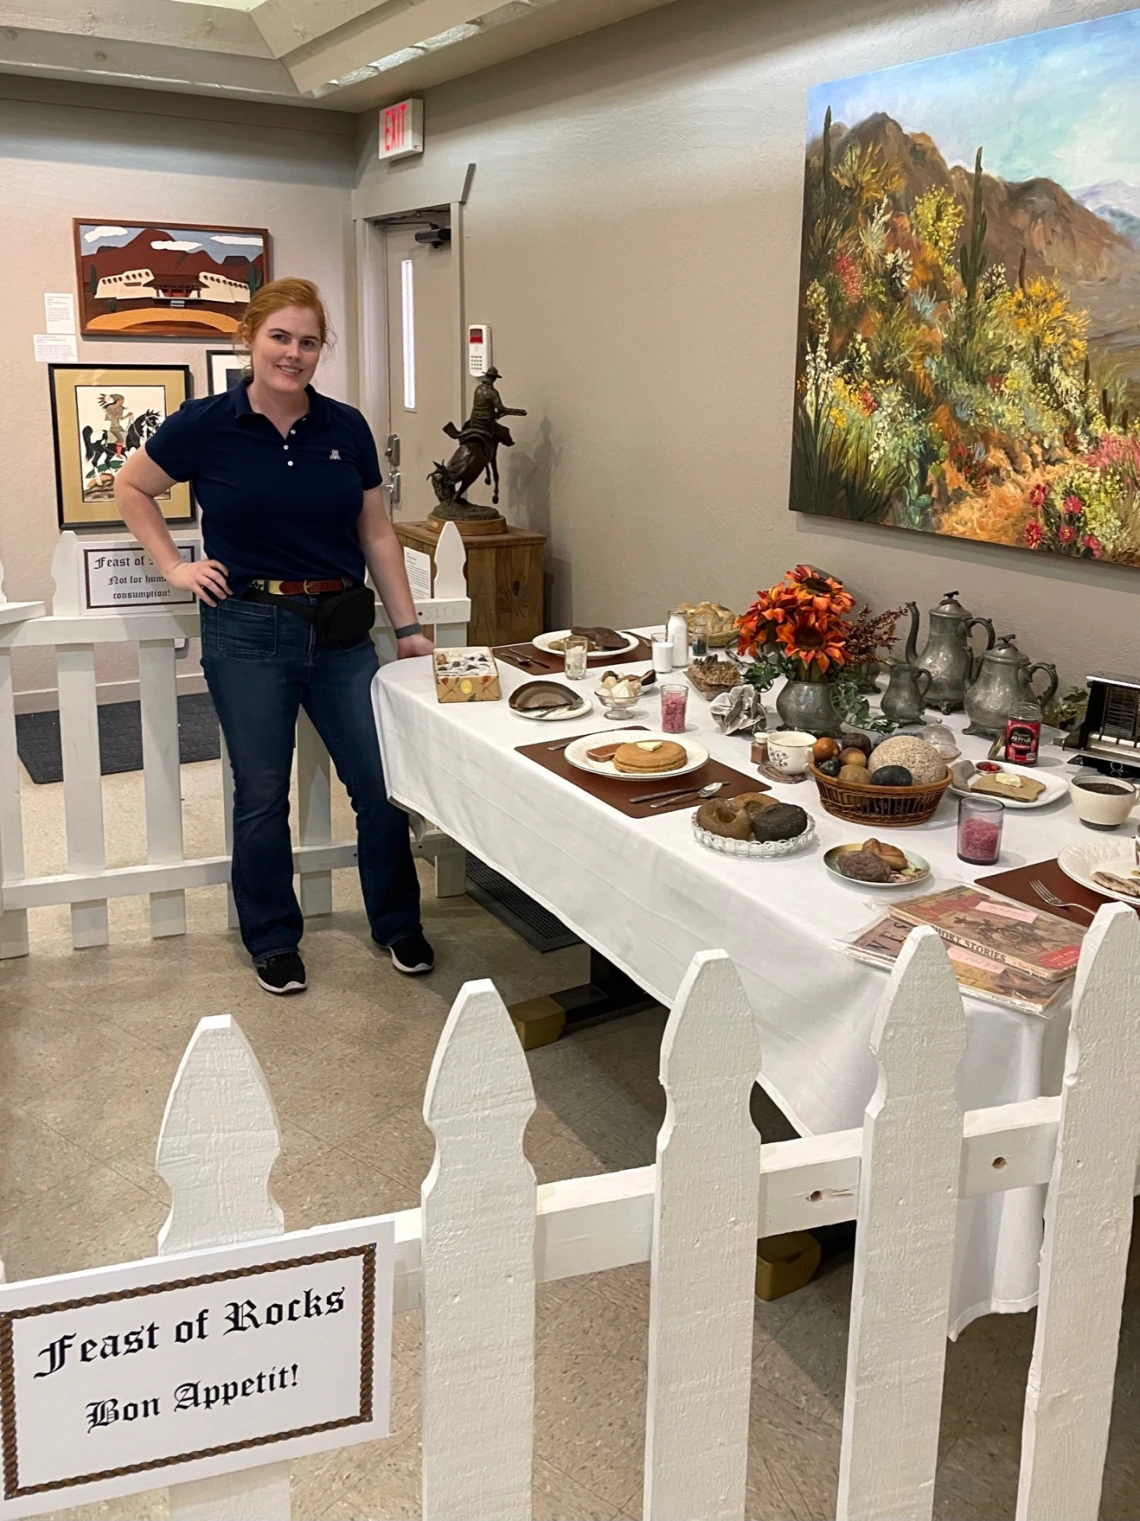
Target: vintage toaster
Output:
{"points": [[1109, 738]]}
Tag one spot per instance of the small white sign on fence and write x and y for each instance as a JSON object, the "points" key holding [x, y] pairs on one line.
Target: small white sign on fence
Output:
{"points": [[172, 1369], [121, 574]]}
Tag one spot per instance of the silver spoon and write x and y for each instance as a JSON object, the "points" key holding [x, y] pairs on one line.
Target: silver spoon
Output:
{"points": [[709, 790]]}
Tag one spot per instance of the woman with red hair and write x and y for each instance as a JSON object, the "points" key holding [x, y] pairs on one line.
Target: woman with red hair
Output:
{"points": [[288, 482]]}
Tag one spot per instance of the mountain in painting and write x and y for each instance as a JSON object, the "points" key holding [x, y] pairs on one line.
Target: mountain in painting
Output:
{"points": [[969, 347]]}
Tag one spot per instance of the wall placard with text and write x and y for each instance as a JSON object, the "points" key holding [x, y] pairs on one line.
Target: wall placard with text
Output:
{"points": [[159, 1372]]}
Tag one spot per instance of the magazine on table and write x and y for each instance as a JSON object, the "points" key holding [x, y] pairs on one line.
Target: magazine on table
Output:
{"points": [[1031, 940], [983, 976]]}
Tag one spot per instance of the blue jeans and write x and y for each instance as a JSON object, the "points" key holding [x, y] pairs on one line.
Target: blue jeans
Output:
{"points": [[262, 665]]}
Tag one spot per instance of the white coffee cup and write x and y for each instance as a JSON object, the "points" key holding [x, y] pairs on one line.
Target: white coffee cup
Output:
{"points": [[789, 750]]}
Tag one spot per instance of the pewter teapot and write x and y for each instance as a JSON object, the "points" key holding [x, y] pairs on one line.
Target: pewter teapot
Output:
{"points": [[947, 654], [1006, 678]]}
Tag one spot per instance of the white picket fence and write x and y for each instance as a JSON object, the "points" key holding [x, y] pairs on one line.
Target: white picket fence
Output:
{"points": [[166, 874], [471, 1256]]}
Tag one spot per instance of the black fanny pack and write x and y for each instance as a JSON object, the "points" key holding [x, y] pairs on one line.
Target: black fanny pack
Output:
{"points": [[340, 618]]}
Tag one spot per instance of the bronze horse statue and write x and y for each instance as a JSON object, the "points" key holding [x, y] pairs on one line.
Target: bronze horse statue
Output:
{"points": [[477, 454]]}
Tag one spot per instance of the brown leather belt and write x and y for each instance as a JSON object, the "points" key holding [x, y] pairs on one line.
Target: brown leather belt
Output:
{"points": [[301, 588]]}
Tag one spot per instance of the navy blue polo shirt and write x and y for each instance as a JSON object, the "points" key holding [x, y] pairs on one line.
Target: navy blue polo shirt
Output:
{"points": [[281, 507]]}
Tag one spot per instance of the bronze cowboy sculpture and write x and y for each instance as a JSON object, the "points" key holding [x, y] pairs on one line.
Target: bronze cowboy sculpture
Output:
{"points": [[477, 454]]}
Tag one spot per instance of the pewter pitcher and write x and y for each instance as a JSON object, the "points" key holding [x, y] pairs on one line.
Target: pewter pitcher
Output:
{"points": [[1006, 677], [905, 698], [947, 654]]}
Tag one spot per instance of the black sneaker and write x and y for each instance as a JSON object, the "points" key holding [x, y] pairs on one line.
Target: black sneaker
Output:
{"points": [[282, 974], [412, 955]]}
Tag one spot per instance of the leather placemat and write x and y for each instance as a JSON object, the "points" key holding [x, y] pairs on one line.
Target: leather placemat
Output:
{"points": [[642, 652], [617, 793], [1015, 884]]}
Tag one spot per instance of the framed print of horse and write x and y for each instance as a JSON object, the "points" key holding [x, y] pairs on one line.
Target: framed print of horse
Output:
{"points": [[969, 331], [100, 415], [165, 280]]}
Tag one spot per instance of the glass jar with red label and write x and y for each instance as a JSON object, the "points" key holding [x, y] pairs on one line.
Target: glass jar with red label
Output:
{"points": [[1023, 733]]}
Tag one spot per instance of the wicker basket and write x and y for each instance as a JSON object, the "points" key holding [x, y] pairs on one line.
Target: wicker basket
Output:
{"points": [[896, 807]]}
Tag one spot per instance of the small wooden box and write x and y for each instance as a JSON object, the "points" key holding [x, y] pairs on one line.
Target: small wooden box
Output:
{"points": [[466, 675]]}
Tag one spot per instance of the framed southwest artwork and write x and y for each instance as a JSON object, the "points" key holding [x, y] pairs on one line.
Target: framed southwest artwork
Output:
{"points": [[163, 280], [969, 335], [100, 415], [224, 369]]}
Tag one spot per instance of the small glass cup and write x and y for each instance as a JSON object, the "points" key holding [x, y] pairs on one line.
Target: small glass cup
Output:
{"points": [[700, 637], [979, 830], [575, 653], [674, 699], [662, 655]]}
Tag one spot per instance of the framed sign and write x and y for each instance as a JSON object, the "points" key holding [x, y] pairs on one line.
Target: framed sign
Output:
{"points": [[119, 574], [100, 415], [166, 280], [180, 1367], [224, 369]]}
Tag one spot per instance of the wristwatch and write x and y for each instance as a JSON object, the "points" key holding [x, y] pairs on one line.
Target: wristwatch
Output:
{"points": [[407, 631]]}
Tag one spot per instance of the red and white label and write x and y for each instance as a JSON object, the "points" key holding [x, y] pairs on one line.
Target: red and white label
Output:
{"points": [[402, 129]]}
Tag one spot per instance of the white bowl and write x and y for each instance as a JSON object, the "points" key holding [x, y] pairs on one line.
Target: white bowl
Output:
{"points": [[1102, 810]]}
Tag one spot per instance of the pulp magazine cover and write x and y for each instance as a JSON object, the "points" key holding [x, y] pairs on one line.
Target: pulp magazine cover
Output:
{"points": [[1033, 941], [980, 975]]}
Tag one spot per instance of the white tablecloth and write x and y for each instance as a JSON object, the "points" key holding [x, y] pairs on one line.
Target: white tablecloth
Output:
{"points": [[646, 895]]}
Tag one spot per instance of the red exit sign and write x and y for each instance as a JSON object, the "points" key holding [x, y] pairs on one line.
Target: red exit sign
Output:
{"points": [[402, 129]]}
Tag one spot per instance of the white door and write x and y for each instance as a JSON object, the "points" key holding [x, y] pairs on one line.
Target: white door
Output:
{"points": [[424, 385]]}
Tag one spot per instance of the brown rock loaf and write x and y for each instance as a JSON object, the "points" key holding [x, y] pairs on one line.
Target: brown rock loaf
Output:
{"points": [[644, 757]]}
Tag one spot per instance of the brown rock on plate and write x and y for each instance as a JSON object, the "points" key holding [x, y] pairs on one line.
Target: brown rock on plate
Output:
{"points": [[602, 638]]}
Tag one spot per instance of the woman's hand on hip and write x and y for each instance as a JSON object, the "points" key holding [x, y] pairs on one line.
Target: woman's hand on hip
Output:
{"points": [[205, 578], [413, 645]]}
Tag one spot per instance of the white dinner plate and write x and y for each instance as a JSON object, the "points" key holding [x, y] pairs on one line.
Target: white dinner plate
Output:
{"points": [[696, 755], [1080, 861], [583, 706], [1055, 787], [545, 642]]}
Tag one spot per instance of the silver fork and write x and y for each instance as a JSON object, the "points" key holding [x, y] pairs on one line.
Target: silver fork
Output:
{"points": [[1047, 895]]}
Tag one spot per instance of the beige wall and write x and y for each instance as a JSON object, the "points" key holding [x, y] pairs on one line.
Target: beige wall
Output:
{"points": [[70, 151], [632, 235]]}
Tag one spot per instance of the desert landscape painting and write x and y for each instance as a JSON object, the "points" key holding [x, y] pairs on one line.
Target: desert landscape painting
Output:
{"points": [[969, 333], [161, 281]]}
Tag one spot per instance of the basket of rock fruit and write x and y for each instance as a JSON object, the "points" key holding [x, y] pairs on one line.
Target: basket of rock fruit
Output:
{"points": [[898, 783]]}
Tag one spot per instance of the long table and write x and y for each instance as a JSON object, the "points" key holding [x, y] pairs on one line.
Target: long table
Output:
{"points": [[647, 896]]}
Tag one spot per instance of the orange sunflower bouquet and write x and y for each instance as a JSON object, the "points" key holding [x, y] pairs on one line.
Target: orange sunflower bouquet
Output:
{"points": [[798, 627]]}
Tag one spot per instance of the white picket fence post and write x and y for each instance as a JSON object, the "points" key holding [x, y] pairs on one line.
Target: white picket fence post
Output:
{"points": [[1088, 1226], [218, 1144], [704, 1252], [478, 1224], [904, 1257], [13, 921]]}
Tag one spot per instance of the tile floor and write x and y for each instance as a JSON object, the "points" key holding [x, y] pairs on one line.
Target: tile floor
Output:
{"points": [[89, 1043]]}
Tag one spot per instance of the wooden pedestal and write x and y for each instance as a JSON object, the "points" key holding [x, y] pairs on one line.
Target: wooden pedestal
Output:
{"points": [[504, 579]]}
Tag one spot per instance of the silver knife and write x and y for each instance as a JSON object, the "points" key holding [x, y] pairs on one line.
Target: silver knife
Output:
{"points": [[654, 797]]}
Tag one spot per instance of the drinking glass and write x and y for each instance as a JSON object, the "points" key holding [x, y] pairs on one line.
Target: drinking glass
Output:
{"points": [[662, 655], [979, 830], [674, 699], [700, 637], [576, 650]]}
